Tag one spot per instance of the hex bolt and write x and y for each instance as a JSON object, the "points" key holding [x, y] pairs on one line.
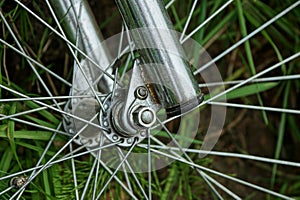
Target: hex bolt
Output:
{"points": [[147, 116], [141, 92], [144, 116]]}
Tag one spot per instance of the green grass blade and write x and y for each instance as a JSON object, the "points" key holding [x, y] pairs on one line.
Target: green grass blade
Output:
{"points": [[281, 131], [11, 132], [41, 122], [247, 90], [6, 159], [249, 52]]}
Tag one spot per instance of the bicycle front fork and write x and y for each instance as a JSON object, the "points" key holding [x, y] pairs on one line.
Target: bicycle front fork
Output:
{"points": [[161, 74]]}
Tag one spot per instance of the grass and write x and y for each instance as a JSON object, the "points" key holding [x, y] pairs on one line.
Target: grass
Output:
{"points": [[21, 144]]}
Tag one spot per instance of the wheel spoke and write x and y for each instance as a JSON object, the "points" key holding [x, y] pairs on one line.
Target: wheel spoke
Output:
{"points": [[169, 4], [87, 183], [116, 170], [226, 154], [265, 108], [288, 59], [27, 112], [6, 190], [204, 176], [250, 35], [65, 158], [205, 22], [222, 187], [55, 109], [99, 153], [212, 188], [133, 174], [35, 62], [118, 180], [258, 80], [50, 98], [45, 151], [30, 64], [46, 145], [74, 173], [149, 165], [53, 157], [76, 59], [64, 38], [121, 156], [246, 183], [188, 19], [36, 125]]}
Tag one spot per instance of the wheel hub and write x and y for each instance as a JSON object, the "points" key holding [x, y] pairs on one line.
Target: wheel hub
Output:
{"points": [[125, 127]]}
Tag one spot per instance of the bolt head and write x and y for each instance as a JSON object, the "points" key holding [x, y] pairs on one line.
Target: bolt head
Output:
{"points": [[145, 117], [141, 92]]}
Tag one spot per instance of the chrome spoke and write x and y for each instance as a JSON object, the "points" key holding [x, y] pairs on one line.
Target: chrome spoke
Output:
{"points": [[188, 19], [27, 112], [169, 4], [6, 190], [63, 38], [133, 174], [258, 80], [50, 98], [30, 64], [204, 176], [75, 58], [35, 62], [116, 170], [205, 22], [87, 183], [252, 107], [227, 154], [46, 150], [74, 173], [242, 182], [121, 156], [55, 109], [288, 59], [250, 35], [37, 125], [149, 165], [53, 157], [99, 153], [65, 158], [212, 187], [118, 180], [222, 187]]}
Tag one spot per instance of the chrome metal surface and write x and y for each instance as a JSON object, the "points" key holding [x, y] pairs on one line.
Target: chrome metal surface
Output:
{"points": [[144, 116], [161, 54], [81, 28], [120, 129]]}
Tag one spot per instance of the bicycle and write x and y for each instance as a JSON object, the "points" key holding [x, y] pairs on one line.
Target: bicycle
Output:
{"points": [[133, 103]]}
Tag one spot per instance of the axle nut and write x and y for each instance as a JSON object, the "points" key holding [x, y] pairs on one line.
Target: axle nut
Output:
{"points": [[144, 116]]}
